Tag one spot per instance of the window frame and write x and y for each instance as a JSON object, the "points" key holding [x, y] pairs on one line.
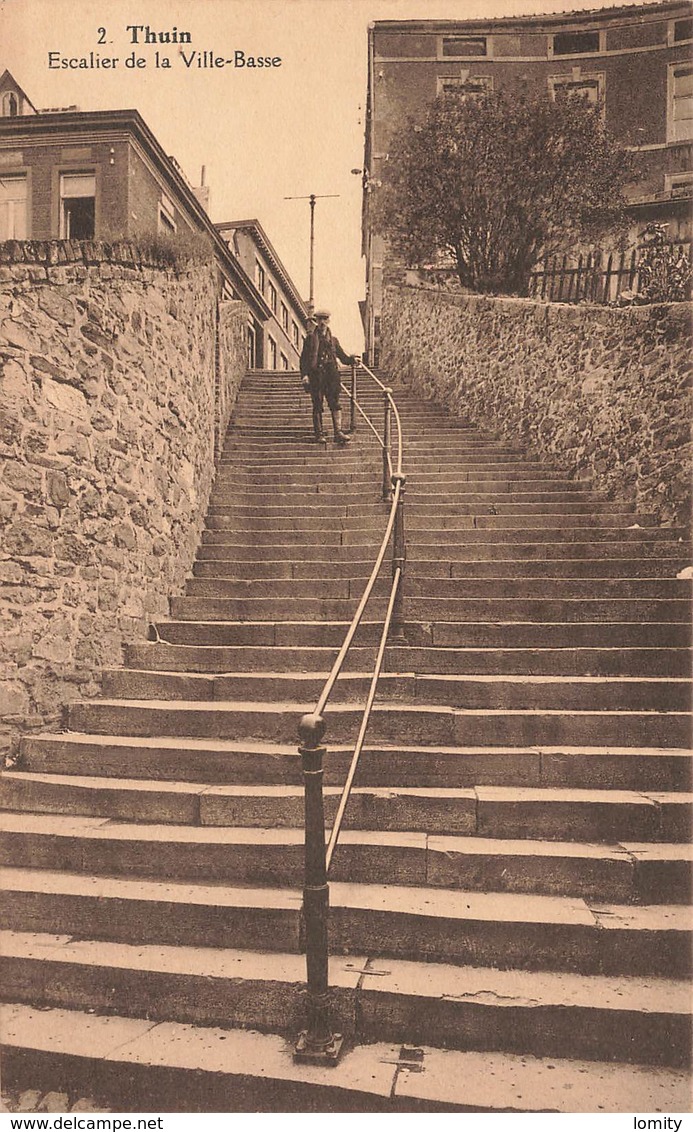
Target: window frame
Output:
{"points": [[586, 79], [272, 296], [19, 176], [599, 50], [167, 216], [474, 56], [295, 333], [672, 41], [260, 277], [272, 351], [63, 215], [461, 83], [671, 100], [685, 177], [6, 105]]}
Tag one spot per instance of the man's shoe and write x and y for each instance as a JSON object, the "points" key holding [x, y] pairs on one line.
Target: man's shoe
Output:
{"points": [[341, 438]]}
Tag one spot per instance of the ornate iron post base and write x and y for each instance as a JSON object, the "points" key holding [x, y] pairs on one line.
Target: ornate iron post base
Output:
{"points": [[317, 1044]]}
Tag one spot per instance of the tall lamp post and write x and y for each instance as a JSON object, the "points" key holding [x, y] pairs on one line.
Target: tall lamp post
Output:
{"points": [[312, 199]]}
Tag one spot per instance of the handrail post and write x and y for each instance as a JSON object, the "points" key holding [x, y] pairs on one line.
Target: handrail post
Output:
{"points": [[352, 416], [386, 446], [399, 555], [317, 1044]]}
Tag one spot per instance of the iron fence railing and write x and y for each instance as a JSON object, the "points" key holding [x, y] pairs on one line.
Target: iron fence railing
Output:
{"points": [[592, 278]]}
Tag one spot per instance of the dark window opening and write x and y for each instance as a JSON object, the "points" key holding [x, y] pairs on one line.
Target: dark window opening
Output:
{"points": [[462, 46], [79, 218], [683, 29], [575, 42]]}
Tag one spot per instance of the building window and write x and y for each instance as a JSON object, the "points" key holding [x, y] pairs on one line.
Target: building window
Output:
{"points": [[679, 184], [285, 317], [13, 210], [683, 31], [77, 206], [284, 361], [576, 42], [466, 88], [294, 333], [167, 215], [680, 116], [272, 351], [463, 46], [260, 276], [272, 295], [252, 359], [590, 87], [10, 105]]}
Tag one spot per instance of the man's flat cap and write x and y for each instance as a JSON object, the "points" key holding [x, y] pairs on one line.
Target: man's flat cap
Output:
{"points": [[321, 314]]}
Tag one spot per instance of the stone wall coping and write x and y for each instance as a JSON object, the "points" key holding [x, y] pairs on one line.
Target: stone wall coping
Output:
{"points": [[55, 253], [677, 312]]}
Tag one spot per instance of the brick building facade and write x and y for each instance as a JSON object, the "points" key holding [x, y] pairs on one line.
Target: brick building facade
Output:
{"points": [[277, 344], [636, 60], [102, 175]]}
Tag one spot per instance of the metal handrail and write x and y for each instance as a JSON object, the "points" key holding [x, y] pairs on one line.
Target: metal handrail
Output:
{"points": [[318, 1043], [365, 720]]}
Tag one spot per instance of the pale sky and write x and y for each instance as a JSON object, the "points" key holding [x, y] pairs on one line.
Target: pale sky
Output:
{"points": [[263, 134]]}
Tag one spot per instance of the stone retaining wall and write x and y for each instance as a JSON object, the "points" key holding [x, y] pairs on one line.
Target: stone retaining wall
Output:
{"points": [[604, 392], [118, 377]]}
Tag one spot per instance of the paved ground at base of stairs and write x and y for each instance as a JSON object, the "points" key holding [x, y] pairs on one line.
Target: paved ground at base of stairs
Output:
{"points": [[36, 1100]]}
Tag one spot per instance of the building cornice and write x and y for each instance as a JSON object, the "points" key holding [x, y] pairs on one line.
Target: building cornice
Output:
{"points": [[265, 245], [602, 17]]}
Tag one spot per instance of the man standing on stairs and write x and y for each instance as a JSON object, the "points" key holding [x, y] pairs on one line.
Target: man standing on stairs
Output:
{"points": [[319, 361]]}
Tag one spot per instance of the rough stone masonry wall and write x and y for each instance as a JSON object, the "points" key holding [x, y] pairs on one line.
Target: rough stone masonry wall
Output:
{"points": [[113, 373], [604, 392]]}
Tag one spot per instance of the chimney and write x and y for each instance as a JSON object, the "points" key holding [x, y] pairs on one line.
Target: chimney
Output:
{"points": [[202, 192]]}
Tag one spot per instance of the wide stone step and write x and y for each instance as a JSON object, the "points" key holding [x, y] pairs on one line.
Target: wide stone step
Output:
{"points": [[567, 661], [555, 813], [297, 495], [274, 856], [562, 817], [419, 450], [398, 723], [523, 478], [460, 555], [178, 1067], [341, 588], [221, 761], [437, 587], [374, 515], [296, 526], [456, 610], [311, 508], [339, 464], [506, 930], [647, 568], [305, 555], [453, 542], [639, 1020], [609, 693], [444, 634], [594, 568], [254, 570], [221, 851]]}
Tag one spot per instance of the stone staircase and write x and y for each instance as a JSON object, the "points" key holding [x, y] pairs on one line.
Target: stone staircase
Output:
{"points": [[509, 916]]}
